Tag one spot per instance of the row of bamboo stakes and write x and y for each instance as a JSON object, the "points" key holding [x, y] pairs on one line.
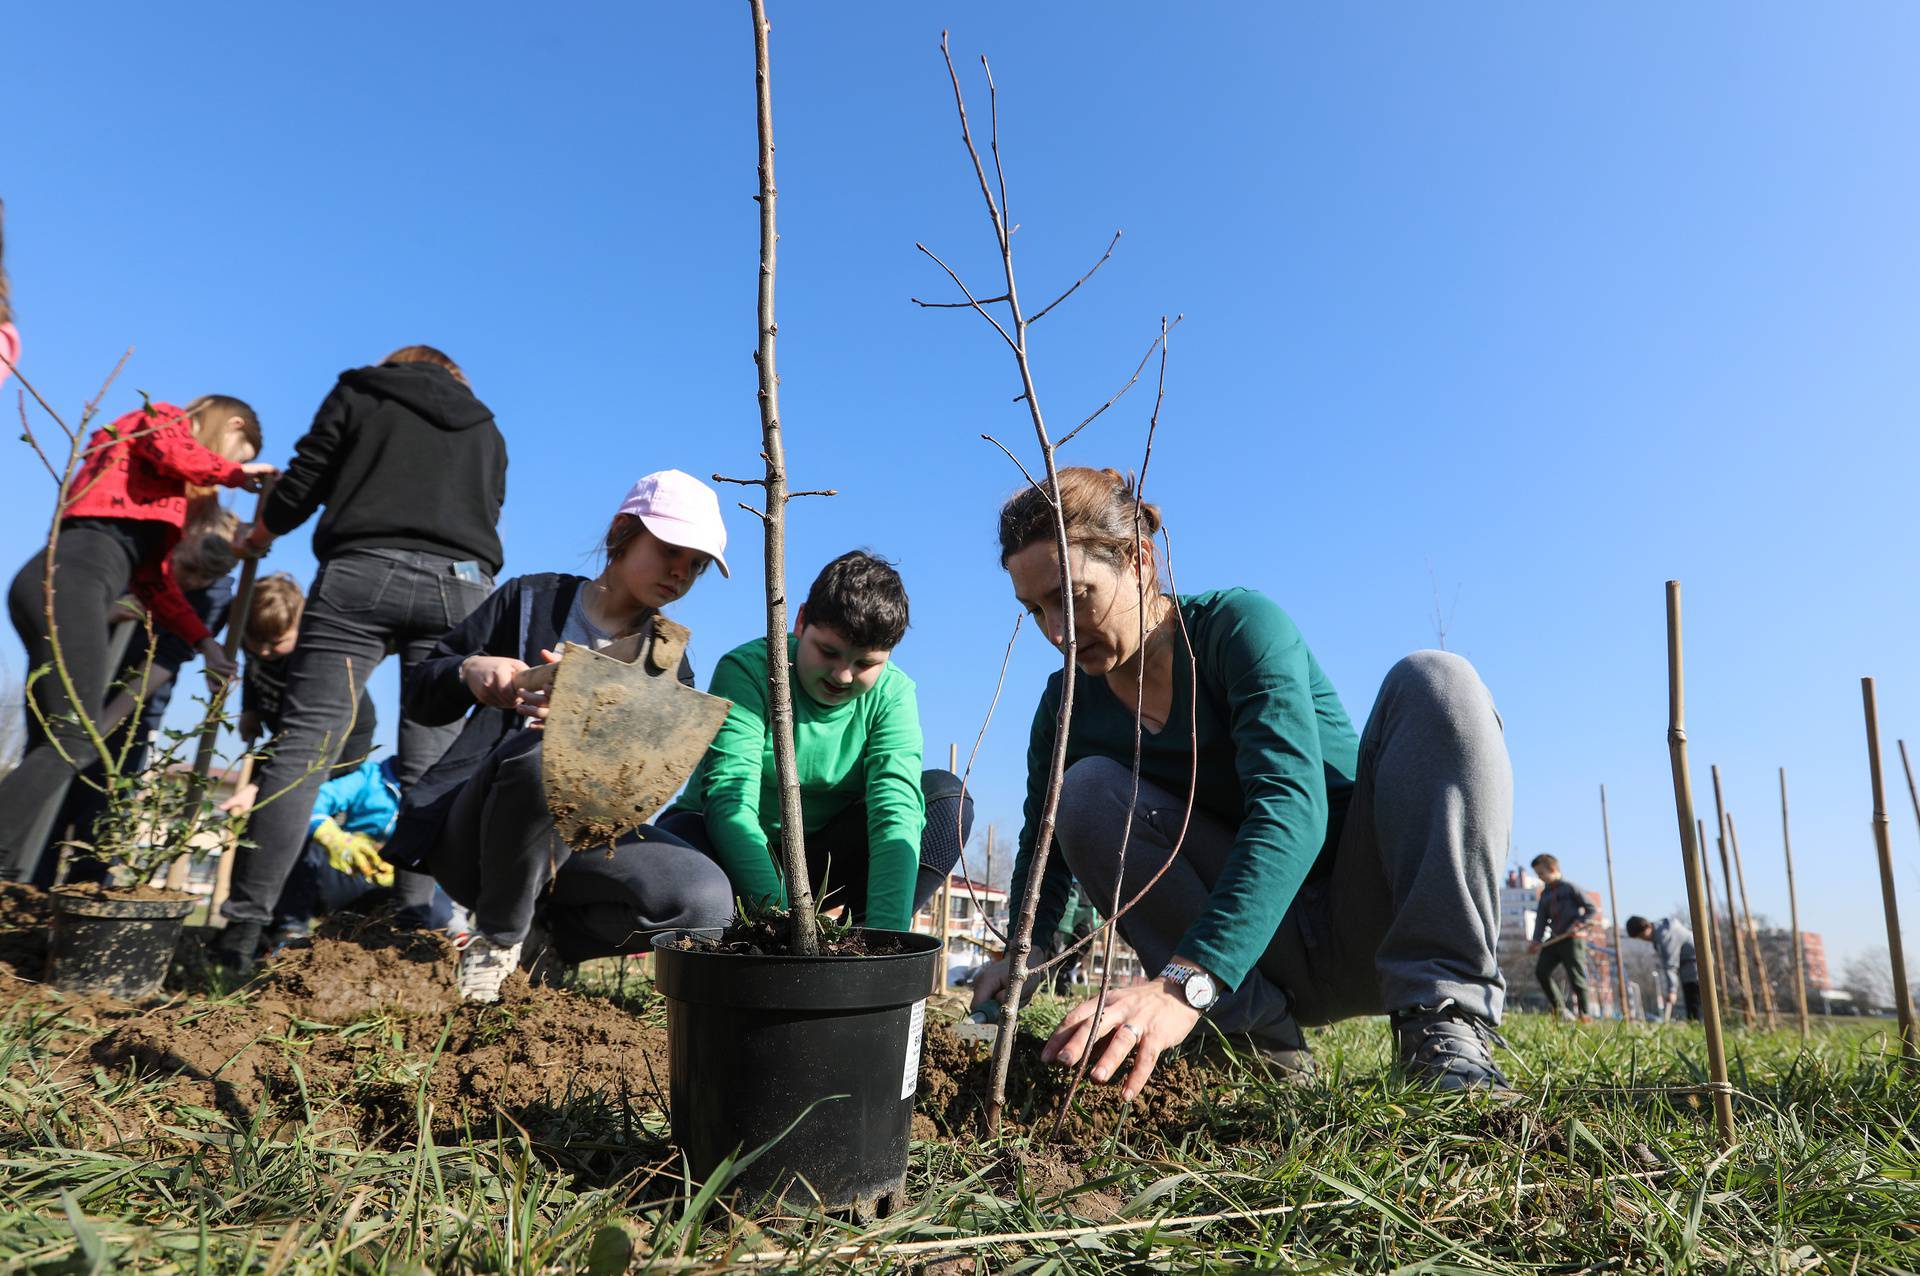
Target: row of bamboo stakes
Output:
{"points": [[1709, 948]]}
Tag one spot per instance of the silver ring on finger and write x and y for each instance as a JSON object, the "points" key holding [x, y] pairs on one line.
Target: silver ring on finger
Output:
{"points": [[1135, 1031]]}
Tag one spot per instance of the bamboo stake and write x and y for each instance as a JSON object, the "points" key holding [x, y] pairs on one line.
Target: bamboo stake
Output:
{"points": [[1793, 907], [223, 871], [1883, 845], [1714, 938], [1742, 969], [1763, 980], [1700, 905], [1613, 905]]}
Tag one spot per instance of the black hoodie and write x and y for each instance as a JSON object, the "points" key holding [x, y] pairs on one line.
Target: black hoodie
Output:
{"points": [[403, 457]]}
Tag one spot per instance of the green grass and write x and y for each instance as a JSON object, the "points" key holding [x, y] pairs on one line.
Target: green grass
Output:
{"points": [[1599, 1167]]}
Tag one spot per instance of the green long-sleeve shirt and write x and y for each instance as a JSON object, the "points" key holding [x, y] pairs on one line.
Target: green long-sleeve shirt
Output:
{"points": [[867, 749], [1277, 755]]}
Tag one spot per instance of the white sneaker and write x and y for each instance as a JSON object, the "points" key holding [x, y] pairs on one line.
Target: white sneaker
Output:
{"points": [[484, 966]]}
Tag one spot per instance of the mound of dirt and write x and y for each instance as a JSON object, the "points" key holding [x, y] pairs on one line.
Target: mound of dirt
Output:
{"points": [[363, 1024]]}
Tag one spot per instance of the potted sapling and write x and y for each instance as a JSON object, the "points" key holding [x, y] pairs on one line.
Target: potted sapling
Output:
{"points": [[795, 1051]]}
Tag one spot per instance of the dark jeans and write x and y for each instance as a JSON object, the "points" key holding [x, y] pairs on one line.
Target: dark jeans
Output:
{"points": [[498, 852], [1570, 954], [1408, 914], [1690, 993], [318, 889], [93, 565], [838, 852], [366, 605]]}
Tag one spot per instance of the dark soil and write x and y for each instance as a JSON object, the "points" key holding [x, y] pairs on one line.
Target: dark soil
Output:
{"points": [[769, 936], [24, 914], [99, 890]]}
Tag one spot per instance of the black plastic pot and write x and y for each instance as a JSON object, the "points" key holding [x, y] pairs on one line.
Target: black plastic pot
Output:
{"points": [[818, 1056], [116, 946]]}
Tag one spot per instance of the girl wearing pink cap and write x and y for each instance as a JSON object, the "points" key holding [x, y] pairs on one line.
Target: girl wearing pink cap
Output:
{"points": [[478, 821]]}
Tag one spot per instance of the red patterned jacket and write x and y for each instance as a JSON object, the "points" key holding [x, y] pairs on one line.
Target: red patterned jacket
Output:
{"points": [[139, 468]]}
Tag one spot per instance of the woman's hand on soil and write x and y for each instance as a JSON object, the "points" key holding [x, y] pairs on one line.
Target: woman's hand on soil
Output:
{"points": [[258, 474], [242, 800], [490, 679], [1140, 1021], [219, 664]]}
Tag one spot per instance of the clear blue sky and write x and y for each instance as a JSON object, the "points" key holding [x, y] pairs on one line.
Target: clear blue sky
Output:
{"points": [[1545, 305]]}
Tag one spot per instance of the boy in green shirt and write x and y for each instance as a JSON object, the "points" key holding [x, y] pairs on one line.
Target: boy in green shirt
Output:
{"points": [[881, 833]]}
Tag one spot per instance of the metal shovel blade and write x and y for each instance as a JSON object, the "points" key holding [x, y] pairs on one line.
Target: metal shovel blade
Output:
{"points": [[620, 741]]}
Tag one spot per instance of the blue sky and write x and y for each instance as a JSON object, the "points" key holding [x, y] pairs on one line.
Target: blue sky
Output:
{"points": [[1543, 306]]}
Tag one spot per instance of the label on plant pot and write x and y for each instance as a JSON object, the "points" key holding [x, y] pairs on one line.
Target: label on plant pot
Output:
{"points": [[916, 1028]]}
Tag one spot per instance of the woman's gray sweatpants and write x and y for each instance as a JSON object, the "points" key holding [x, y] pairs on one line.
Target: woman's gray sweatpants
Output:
{"points": [[498, 850], [1410, 913]]}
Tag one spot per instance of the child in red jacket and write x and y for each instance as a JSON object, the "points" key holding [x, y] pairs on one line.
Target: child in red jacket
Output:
{"points": [[123, 513]]}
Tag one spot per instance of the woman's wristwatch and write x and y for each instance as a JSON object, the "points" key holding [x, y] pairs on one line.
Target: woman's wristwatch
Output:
{"points": [[1194, 983]]}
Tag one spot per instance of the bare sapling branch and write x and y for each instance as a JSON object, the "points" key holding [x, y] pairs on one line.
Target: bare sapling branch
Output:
{"points": [[960, 807], [805, 936]]}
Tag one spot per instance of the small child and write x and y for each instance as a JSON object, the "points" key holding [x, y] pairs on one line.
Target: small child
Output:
{"points": [[1564, 909], [1679, 972], [881, 834], [123, 514], [341, 865], [272, 629]]}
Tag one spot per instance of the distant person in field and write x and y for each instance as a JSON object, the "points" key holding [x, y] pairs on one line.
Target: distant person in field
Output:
{"points": [[1564, 910], [142, 480], [203, 564], [9, 335], [1673, 951], [479, 820], [1323, 874], [881, 832], [412, 471]]}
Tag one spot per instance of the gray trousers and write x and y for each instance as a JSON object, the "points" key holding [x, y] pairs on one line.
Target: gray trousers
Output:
{"points": [[498, 850], [1410, 913]]}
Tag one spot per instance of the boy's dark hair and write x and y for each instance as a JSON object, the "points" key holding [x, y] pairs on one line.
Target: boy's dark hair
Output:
{"points": [[1546, 862], [1639, 927], [861, 598]]}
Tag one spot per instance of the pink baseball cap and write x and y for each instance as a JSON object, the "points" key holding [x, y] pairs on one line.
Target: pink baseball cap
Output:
{"points": [[680, 510]]}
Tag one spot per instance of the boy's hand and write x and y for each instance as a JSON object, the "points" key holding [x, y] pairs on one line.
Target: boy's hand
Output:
{"points": [[242, 800], [490, 679], [353, 853]]}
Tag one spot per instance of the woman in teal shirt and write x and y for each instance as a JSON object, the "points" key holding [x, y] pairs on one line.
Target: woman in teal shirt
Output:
{"points": [[1319, 875]]}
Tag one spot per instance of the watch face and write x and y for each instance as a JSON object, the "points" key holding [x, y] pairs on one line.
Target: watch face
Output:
{"points": [[1200, 990]]}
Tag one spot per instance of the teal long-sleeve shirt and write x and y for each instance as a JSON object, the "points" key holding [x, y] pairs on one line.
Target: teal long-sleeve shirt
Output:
{"points": [[868, 749], [1276, 753]]}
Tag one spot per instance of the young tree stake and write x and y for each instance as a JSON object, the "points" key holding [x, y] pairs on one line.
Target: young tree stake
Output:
{"points": [[1793, 908], [1742, 967], [1613, 906], [1764, 980], [1691, 853], [1903, 1001]]}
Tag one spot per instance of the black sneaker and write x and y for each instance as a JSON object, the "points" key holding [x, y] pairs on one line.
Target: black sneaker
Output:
{"points": [[236, 949], [1449, 1049], [544, 965]]}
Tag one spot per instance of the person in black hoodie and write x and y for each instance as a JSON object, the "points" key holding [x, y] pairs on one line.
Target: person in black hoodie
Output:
{"points": [[479, 819], [412, 471]]}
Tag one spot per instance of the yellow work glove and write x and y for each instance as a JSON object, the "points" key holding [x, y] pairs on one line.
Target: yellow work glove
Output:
{"points": [[353, 853]]}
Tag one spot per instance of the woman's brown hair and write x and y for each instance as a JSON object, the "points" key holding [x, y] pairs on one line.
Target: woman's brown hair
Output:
{"points": [[1099, 509], [427, 354], [211, 412]]}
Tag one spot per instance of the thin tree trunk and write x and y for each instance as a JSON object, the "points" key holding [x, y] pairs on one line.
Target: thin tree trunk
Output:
{"points": [[1693, 857], [805, 927]]}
